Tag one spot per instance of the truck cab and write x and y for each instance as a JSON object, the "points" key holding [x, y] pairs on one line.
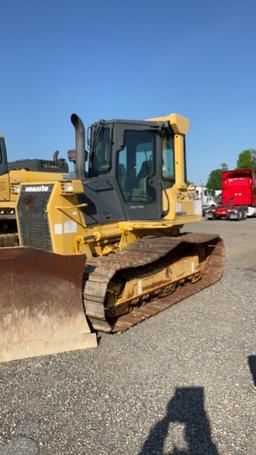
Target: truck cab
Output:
{"points": [[238, 199]]}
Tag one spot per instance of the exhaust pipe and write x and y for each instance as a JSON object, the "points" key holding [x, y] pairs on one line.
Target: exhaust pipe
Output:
{"points": [[80, 146]]}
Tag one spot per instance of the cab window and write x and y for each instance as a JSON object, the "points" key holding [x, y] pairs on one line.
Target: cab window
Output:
{"points": [[135, 166], [168, 158], [101, 156]]}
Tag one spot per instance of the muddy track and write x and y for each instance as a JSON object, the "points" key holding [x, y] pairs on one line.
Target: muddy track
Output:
{"points": [[143, 253]]}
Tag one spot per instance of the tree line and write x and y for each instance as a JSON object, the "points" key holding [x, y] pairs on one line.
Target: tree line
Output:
{"points": [[246, 160]]}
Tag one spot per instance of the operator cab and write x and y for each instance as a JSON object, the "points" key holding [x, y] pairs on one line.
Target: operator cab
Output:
{"points": [[130, 163]]}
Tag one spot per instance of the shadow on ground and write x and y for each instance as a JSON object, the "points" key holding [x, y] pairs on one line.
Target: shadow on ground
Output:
{"points": [[186, 407], [252, 366]]}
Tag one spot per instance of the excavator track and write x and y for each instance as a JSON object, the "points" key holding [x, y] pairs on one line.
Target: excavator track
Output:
{"points": [[146, 254]]}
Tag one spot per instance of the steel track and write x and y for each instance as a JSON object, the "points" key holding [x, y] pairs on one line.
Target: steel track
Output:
{"points": [[144, 252]]}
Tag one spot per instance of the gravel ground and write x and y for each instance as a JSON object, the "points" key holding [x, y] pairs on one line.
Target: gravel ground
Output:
{"points": [[181, 383]]}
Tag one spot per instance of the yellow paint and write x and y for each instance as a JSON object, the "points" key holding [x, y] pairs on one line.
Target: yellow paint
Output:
{"points": [[5, 190], [179, 123], [68, 229], [179, 161], [10, 185], [147, 284]]}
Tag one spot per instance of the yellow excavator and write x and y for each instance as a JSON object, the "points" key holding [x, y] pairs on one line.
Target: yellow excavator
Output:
{"points": [[12, 174], [103, 251]]}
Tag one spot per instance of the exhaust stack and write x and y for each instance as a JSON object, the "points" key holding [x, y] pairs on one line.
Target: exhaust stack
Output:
{"points": [[80, 146]]}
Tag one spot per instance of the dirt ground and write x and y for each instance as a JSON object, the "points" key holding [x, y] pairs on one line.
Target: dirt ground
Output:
{"points": [[181, 383]]}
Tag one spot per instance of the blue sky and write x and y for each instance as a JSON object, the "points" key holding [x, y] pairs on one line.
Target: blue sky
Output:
{"points": [[129, 59]]}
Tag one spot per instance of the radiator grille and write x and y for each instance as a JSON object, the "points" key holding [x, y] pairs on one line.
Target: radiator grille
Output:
{"points": [[33, 219]]}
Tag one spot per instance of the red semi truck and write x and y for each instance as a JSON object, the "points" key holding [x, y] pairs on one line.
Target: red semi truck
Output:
{"points": [[238, 199]]}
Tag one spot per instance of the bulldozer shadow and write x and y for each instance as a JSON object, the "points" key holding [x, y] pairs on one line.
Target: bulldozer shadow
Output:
{"points": [[186, 408], [252, 366]]}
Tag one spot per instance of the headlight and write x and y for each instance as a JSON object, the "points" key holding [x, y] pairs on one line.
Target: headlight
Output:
{"points": [[67, 187], [15, 188]]}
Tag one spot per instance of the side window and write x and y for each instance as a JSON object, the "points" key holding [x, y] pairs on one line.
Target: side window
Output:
{"points": [[101, 158], [168, 158], [122, 172], [135, 166], [1, 152]]}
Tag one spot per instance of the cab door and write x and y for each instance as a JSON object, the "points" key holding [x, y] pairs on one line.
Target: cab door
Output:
{"points": [[137, 173]]}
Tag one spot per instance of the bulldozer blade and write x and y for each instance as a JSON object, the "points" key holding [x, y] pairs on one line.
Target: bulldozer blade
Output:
{"points": [[41, 309]]}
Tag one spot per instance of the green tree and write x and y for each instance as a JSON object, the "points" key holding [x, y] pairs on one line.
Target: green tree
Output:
{"points": [[247, 159], [214, 179]]}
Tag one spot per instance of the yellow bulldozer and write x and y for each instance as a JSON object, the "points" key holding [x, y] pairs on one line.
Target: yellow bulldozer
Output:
{"points": [[104, 250], [12, 174]]}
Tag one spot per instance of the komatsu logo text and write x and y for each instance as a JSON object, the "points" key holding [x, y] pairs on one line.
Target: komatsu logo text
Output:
{"points": [[36, 189]]}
